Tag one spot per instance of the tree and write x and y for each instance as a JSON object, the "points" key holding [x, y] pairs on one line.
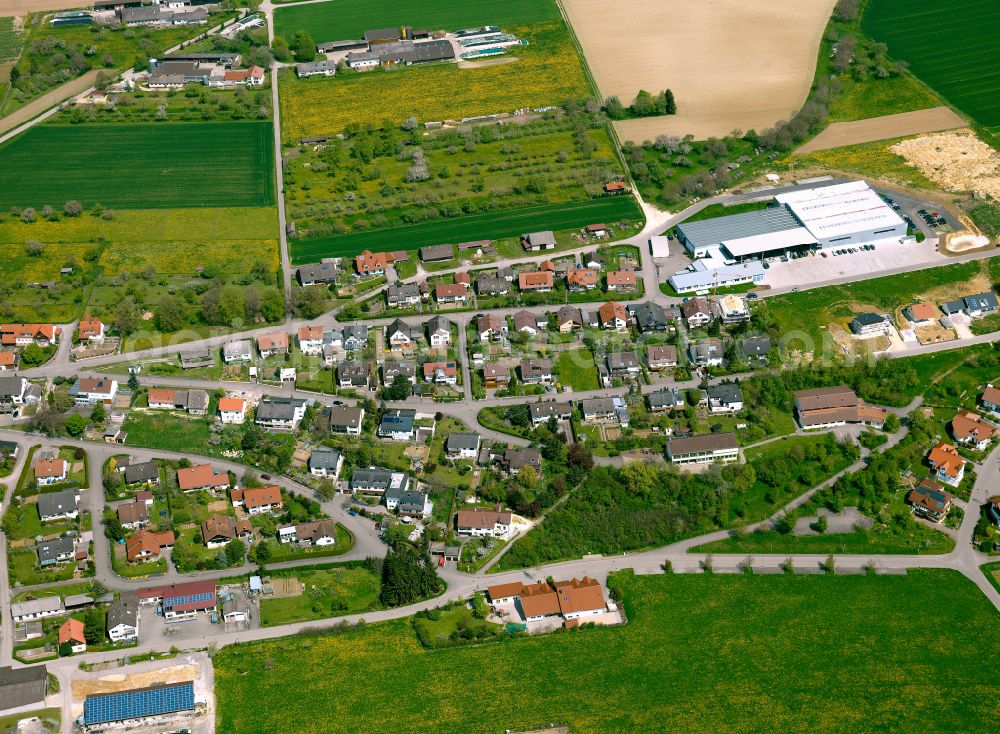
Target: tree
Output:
{"points": [[398, 390], [280, 49], [262, 551], [33, 355], [170, 314], [613, 108], [891, 423], [126, 316], [273, 305], [407, 576], [28, 215], [93, 626], [65, 649], [644, 104], [670, 104], [98, 414], [34, 248], [76, 424], [236, 552], [527, 477], [326, 489], [113, 527], [305, 47], [133, 382], [231, 305], [309, 302]]}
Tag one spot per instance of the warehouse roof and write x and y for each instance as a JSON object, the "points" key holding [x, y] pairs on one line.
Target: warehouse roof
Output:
{"points": [[734, 226]]}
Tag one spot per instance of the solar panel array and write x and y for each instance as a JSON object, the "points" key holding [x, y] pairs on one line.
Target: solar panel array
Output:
{"points": [[174, 601], [110, 707]]}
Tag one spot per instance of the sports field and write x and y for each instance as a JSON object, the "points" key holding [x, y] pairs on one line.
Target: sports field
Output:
{"points": [[510, 223], [700, 654], [140, 166], [345, 19], [952, 46]]}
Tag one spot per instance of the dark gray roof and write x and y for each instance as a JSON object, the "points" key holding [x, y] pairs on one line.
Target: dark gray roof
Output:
{"points": [[123, 611], [147, 471], [358, 331], [412, 332], [57, 503], [699, 444], [50, 550], [352, 369], [544, 410], [664, 398], [590, 406], [649, 315], [734, 226], [727, 393], [392, 368], [981, 301], [11, 386], [756, 346], [23, 686], [458, 441], [398, 421], [311, 66], [869, 319], [345, 416], [517, 458], [437, 252], [314, 272], [377, 477], [323, 457], [622, 361], [438, 323], [281, 409]]}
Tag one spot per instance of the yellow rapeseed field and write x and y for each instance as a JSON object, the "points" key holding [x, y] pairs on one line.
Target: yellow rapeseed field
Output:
{"points": [[547, 71], [183, 257]]}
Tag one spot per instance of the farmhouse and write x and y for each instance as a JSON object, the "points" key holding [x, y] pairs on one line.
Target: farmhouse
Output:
{"points": [[480, 522], [316, 68], [929, 500], [539, 241], [41, 608], [23, 686], [703, 449], [825, 407]]}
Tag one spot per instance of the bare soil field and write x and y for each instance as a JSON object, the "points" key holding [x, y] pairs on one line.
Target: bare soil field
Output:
{"points": [[731, 64], [956, 161], [120, 682], [47, 100], [23, 7], [840, 134]]}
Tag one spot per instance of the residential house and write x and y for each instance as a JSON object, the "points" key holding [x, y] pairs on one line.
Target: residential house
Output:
{"points": [[438, 332], [352, 373], [257, 500], [450, 293], [599, 410], [232, 410], [91, 390], [402, 295], [15, 393], [436, 253], [725, 398], [202, 477], [123, 619], [663, 400], [21, 335], [922, 313], [9, 450], [90, 330], [574, 600], [441, 373], [182, 601], [869, 324], [142, 474], [480, 522], [61, 505], [146, 545], [398, 424], [496, 375], [238, 350], [662, 357], [393, 368], [707, 352], [513, 460], [650, 317], [355, 337], [333, 346], [622, 281], [826, 407], [376, 480], [755, 347], [346, 419], [51, 552], [969, 429], [8, 360], [613, 316], [218, 530], [696, 312], [703, 449], [133, 515], [311, 339], [581, 279], [462, 445], [948, 465], [273, 343], [526, 322], [538, 281], [282, 414], [568, 319], [326, 462], [542, 412], [535, 371], [408, 503], [400, 335], [491, 327], [974, 305], [321, 272], [732, 309], [369, 264], [990, 400], [194, 402], [929, 500], [624, 364], [49, 471], [491, 285], [316, 533], [539, 241]]}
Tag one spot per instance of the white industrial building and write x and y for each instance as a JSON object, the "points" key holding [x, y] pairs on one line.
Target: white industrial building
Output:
{"points": [[820, 217]]}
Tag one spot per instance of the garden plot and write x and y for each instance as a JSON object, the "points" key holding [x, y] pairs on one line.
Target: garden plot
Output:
{"points": [[731, 64]]}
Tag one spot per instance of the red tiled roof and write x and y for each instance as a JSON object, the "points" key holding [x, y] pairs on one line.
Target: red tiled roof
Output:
{"points": [[534, 280], [611, 311], [201, 476], [261, 497], [71, 631], [274, 340], [231, 404]]}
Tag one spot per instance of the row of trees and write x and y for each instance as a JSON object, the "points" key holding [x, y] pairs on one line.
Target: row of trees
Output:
{"points": [[644, 105]]}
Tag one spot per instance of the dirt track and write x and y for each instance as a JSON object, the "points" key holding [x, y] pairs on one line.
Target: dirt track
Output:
{"points": [[882, 128], [49, 99], [731, 64]]}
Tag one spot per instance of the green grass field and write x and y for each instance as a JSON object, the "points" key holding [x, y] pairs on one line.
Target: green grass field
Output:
{"points": [[510, 223], [328, 592], [350, 19], [10, 42], [167, 431], [140, 166], [576, 369], [700, 654], [924, 33]]}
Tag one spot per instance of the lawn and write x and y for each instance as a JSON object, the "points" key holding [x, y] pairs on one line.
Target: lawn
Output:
{"points": [[507, 223], [10, 42], [909, 540], [328, 592], [167, 431], [351, 18], [576, 369], [548, 71], [140, 166], [288, 552], [51, 715], [24, 571], [921, 33], [732, 653]]}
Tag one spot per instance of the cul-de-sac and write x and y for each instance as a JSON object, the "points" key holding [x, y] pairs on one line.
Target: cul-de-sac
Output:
{"points": [[539, 367]]}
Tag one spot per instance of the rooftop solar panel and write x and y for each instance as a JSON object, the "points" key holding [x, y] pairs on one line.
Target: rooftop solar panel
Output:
{"points": [[109, 707]]}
